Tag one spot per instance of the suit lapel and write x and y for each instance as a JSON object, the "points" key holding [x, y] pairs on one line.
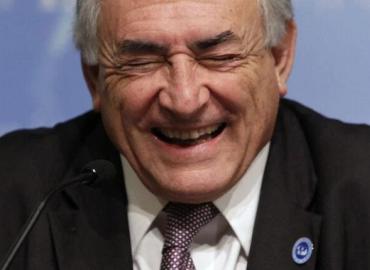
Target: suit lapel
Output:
{"points": [[89, 225], [283, 213]]}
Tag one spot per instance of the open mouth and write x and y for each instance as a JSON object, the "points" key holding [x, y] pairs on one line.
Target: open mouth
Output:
{"points": [[188, 138]]}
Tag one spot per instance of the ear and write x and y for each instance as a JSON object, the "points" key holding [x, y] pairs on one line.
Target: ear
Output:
{"points": [[91, 74], [284, 54]]}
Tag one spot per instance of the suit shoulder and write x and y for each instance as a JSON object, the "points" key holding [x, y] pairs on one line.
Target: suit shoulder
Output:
{"points": [[33, 144], [339, 150], [328, 132], [29, 157]]}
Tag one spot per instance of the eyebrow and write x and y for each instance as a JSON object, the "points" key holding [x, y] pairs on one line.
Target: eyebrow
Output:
{"points": [[209, 43], [129, 46], [141, 47]]}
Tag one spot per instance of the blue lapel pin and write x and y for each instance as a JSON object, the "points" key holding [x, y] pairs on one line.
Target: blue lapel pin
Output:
{"points": [[302, 250]]}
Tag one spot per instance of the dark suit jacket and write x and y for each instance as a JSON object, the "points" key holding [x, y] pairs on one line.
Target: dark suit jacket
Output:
{"points": [[316, 184]]}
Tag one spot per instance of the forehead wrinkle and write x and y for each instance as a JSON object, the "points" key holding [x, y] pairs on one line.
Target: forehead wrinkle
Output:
{"points": [[143, 10], [131, 25]]}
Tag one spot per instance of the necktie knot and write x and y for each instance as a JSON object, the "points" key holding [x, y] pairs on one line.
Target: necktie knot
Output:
{"points": [[185, 220]]}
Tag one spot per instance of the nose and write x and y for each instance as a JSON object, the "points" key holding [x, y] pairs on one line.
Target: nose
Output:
{"points": [[185, 94]]}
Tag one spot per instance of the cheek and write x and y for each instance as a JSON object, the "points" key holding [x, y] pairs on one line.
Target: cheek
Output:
{"points": [[131, 98], [251, 94], [260, 88], [235, 91]]}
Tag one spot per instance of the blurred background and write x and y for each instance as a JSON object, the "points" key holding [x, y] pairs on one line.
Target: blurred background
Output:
{"points": [[41, 82]]}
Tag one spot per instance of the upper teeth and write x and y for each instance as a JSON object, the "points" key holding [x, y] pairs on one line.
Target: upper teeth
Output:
{"points": [[189, 134]]}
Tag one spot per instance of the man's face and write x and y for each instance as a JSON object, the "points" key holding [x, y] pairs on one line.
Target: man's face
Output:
{"points": [[187, 91]]}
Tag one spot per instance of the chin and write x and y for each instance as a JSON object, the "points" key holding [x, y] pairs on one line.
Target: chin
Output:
{"points": [[193, 190], [191, 197]]}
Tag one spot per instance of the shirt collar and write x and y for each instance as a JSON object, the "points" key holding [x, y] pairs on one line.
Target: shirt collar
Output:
{"points": [[238, 205], [143, 206]]}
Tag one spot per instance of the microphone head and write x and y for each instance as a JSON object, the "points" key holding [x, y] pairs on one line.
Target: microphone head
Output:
{"points": [[102, 169]]}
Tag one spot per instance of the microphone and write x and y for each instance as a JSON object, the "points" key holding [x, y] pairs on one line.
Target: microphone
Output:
{"points": [[93, 172]]}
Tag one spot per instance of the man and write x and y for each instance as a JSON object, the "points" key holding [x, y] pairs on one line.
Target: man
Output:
{"points": [[187, 100]]}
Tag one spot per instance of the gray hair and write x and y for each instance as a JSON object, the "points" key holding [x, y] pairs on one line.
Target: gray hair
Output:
{"points": [[275, 12]]}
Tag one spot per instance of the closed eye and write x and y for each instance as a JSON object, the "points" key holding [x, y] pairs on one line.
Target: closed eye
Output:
{"points": [[226, 57], [220, 61], [140, 65]]}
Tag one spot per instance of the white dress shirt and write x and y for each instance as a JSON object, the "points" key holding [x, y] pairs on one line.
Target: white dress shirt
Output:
{"points": [[224, 243]]}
